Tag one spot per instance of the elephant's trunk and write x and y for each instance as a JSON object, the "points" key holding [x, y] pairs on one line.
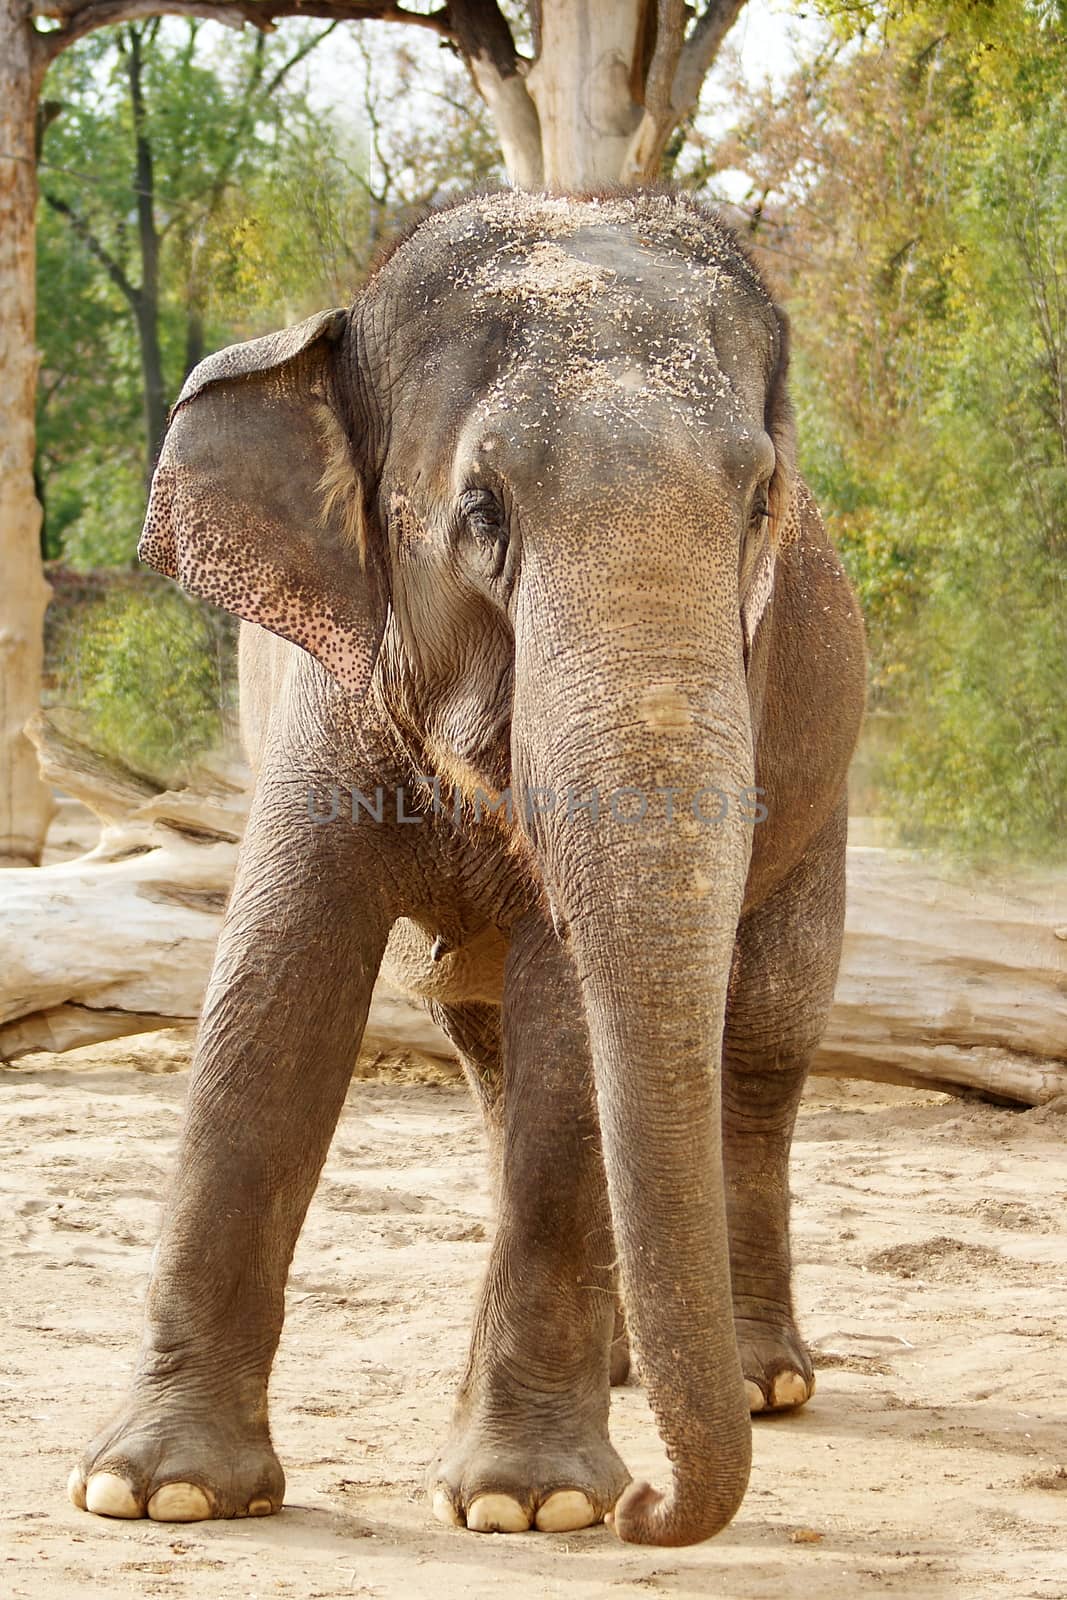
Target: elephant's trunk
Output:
{"points": [[651, 907]]}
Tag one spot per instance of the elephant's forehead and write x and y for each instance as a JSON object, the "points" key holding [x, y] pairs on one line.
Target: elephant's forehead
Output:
{"points": [[526, 310], [683, 378], [511, 218], [603, 344], [558, 257]]}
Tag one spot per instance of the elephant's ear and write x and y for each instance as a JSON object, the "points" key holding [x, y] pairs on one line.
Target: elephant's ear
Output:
{"points": [[780, 425], [257, 502]]}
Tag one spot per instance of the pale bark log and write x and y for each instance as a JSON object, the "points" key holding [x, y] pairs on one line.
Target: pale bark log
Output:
{"points": [[121, 940], [943, 985], [25, 802], [949, 984]]}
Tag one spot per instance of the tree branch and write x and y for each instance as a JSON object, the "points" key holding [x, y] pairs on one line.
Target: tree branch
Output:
{"points": [[699, 51], [659, 80], [295, 59], [128, 290], [79, 17], [85, 19], [438, 22], [484, 39], [655, 92], [480, 28]]}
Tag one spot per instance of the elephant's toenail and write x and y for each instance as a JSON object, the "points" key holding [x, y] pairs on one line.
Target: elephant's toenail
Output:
{"points": [[754, 1395], [565, 1511], [108, 1495], [179, 1502], [260, 1508], [789, 1390], [444, 1510], [76, 1488], [496, 1513]]}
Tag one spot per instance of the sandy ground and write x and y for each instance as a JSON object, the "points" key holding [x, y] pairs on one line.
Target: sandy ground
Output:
{"points": [[932, 1277]]}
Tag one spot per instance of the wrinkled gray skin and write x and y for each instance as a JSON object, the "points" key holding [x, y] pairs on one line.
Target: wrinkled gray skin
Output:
{"points": [[519, 507]]}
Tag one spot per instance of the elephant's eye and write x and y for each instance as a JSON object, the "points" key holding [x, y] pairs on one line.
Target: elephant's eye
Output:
{"points": [[484, 519], [482, 512], [760, 509]]}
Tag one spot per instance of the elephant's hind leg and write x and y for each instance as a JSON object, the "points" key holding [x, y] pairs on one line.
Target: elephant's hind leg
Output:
{"points": [[474, 1029], [529, 1444], [780, 993], [284, 1012]]}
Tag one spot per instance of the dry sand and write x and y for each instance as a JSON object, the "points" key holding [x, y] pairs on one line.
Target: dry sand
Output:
{"points": [[932, 1280]]}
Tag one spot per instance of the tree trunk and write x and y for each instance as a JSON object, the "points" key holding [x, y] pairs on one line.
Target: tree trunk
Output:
{"points": [[25, 802], [146, 300], [611, 81], [194, 339], [146, 311], [582, 86]]}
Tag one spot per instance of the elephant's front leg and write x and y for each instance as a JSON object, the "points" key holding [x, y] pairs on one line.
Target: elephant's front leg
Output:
{"points": [[282, 1020], [529, 1444]]}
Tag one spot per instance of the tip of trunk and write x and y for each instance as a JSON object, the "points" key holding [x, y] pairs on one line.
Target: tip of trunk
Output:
{"points": [[644, 1515]]}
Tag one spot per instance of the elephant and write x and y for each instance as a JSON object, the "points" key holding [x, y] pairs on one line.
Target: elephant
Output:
{"points": [[551, 678]]}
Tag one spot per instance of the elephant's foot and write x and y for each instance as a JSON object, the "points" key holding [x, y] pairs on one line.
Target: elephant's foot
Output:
{"points": [[177, 1464], [776, 1364], [553, 1478]]}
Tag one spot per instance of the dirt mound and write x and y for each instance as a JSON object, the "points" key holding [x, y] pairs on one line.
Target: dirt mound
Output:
{"points": [[949, 1260]]}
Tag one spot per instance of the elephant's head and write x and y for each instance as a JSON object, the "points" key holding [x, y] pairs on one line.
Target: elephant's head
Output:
{"points": [[532, 483]]}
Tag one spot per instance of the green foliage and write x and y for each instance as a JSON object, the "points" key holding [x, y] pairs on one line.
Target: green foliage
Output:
{"points": [[259, 205], [148, 674], [156, 241], [911, 187]]}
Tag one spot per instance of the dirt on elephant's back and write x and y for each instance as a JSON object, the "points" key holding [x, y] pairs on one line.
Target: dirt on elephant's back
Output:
{"points": [[930, 1274]]}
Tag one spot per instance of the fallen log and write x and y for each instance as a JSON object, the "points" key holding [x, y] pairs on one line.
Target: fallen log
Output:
{"points": [[950, 985], [944, 984]]}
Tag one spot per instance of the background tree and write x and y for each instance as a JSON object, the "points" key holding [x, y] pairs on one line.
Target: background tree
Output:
{"points": [[265, 206], [165, 135], [156, 141], [910, 184]]}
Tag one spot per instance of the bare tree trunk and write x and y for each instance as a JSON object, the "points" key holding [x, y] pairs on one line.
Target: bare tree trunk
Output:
{"points": [[611, 82], [146, 301], [583, 86], [25, 802]]}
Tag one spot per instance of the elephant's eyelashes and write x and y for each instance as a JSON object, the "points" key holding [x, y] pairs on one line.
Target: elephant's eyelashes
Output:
{"points": [[483, 518], [482, 513]]}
